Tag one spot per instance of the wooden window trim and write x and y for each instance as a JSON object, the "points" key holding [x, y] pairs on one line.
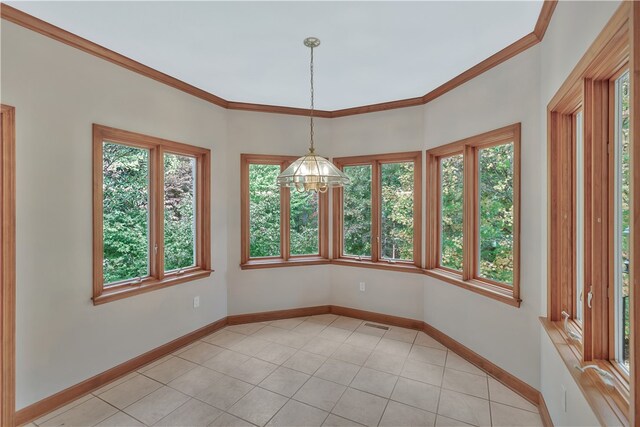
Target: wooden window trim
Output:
{"points": [[374, 261], [158, 278], [469, 277], [617, 47], [285, 259]]}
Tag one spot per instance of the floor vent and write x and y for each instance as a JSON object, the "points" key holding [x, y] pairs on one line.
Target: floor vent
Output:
{"points": [[372, 325]]}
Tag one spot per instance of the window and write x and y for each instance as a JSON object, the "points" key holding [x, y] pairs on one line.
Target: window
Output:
{"points": [[377, 218], [280, 227], [151, 213], [473, 215]]}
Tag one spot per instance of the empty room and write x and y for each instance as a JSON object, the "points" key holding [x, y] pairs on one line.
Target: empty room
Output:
{"points": [[319, 213]]}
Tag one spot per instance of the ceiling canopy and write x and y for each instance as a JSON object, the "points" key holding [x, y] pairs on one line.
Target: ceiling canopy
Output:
{"points": [[252, 52]]}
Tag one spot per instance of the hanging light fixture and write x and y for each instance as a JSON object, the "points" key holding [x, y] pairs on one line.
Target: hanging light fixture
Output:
{"points": [[312, 172]]}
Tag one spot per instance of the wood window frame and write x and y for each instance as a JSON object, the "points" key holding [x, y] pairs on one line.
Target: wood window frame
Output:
{"points": [[469, 278], [616, 49], [375, 261], [285, 259], [158, 278]]}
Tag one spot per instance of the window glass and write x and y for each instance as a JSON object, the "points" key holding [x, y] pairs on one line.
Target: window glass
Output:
{"points": [[621, 222], [264, 211], [578, 315], [396, 237], [125, 212], [451, 211], [357, 211], [179, 211], [303, 223], [495, 196]]}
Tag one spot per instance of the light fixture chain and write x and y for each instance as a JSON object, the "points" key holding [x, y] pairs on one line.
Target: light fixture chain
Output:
{"points": [[312, 100]]}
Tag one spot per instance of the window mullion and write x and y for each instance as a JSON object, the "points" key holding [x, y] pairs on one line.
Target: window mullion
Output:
{"points": [[470, 191], [376, 211], [157, 208], [285, 207]]}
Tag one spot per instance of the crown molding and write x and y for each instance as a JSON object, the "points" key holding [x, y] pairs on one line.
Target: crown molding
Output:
{"points": [[30, 22]]}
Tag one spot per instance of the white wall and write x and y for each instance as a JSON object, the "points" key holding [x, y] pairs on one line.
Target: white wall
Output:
{"points": [[574, 26], [269, 289], [58, 92]]}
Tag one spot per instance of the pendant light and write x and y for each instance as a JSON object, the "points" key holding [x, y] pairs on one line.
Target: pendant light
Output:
{"points": [[312, 172]]}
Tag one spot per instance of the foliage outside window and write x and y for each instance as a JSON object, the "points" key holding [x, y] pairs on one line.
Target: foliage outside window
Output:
{"points": [[279, 226], [473, 215], [151, 222], [377, 216]]}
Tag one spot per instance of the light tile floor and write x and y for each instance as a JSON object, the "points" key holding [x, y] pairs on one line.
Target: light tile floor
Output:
{"points": [[309, 371]]}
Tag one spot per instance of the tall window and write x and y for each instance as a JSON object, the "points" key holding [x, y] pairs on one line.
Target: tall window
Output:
{"points": [[578, 141], [377, 217], [280, 227], [473, 214], [151, 205]]}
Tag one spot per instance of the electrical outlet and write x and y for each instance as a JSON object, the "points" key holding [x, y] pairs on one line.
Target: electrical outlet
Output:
{"points": [[564, 398], [196, 302], [362, 287]]}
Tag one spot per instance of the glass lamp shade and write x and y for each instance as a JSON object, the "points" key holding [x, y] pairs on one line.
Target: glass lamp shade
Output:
{"points": [[312, 173]]}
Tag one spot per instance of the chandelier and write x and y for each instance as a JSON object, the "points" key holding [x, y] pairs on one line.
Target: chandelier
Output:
{"points": [[312, 172]]}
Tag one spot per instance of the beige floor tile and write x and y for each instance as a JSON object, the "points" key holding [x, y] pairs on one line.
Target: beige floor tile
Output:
{"points": [[253, 371], [347, 323], [335, 334], [385, 362], [309, 328], [428, 355], [465, 408], [401, 334], [155, 362], [224, 392], [393, 347], [465, 382], [226, 361], [449, 422], [128, 392], [88, 413], [500, 393], [321, 346], [157, 405], [359, 406], [65, 408], [200, 353], [276, 353], [398, 414], [417, 394], [352, 354], [112, 384], [120, 419], [368, 342], [292, 339], [304, 361], [367, 329], [245, 329], [337, 371], [374, 382], [224, 338], [228, 420], [192, 414], [424, 372], [320, 393], [270, 333], [258, 406], [323, 318], [185, 348], [294, 413], [169, 370], [284, 381], [427, 341], [508, 416], [195, 381], [457, 362], [336, 421], [287, 323]]}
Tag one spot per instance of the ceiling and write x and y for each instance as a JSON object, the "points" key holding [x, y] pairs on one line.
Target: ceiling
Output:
{"points": [[371, 52]]}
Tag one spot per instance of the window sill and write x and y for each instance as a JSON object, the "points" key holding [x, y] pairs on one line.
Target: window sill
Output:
{"points": [[497, 293], [610, 404], [129, 290], [291, 262], [405, 267]]}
